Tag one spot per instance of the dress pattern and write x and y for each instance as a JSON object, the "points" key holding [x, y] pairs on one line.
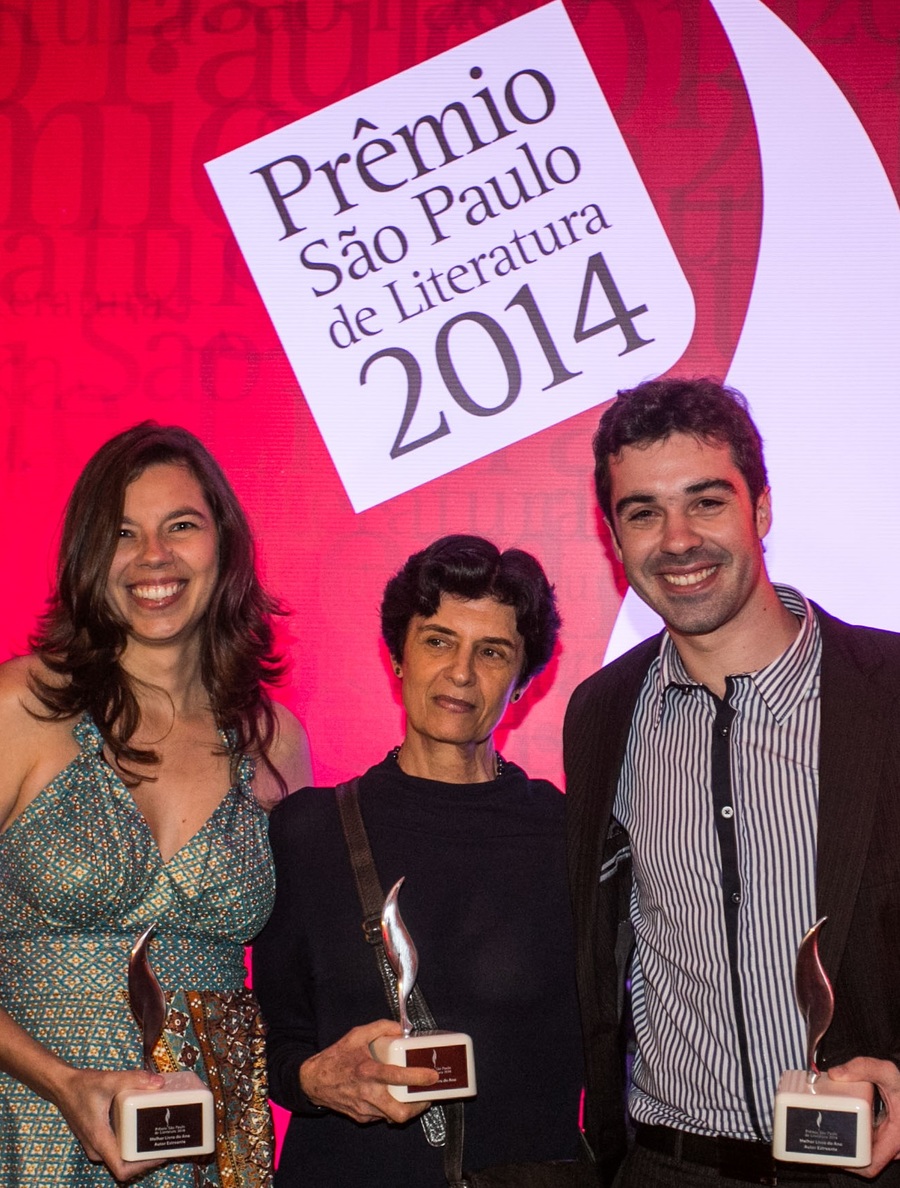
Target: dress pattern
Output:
{"points": [[81, 877]]}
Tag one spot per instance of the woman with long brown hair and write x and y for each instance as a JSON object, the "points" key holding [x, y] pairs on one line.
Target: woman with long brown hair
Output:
{"points": [[141, 752]]}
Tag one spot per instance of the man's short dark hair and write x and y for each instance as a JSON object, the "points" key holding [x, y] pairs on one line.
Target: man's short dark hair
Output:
{"points": [[471, 567], [653, 411]]}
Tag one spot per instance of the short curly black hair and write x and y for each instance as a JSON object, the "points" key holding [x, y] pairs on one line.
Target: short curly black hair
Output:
{"points": [[655, 410], [471, 567]]}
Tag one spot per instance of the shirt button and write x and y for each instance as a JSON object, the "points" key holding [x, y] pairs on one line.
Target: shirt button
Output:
{"points": [[723, 731], [728, 812], [735, 897]]}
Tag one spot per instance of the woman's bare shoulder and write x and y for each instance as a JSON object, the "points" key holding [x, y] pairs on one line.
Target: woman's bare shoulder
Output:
{"points": [[289, 753], [33, 745], [290, 749], [16, 689]]}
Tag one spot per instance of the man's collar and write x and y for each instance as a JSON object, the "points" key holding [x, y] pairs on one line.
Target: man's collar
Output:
{"points": [[781, 684]]}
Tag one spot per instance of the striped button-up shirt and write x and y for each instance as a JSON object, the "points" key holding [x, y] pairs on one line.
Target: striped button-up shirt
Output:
{"points": [[719, 799]]}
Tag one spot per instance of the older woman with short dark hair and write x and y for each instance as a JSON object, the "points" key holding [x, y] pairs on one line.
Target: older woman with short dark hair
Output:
{"points": [[481, 848]]}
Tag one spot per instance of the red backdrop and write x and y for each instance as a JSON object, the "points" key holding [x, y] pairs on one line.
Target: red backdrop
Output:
{"points": [[123, 295]]}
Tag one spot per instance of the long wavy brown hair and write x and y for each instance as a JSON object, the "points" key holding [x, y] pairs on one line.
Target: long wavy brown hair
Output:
{"points": [[81, 639]]}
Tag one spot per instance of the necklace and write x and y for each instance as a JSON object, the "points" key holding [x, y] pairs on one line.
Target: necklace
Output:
{"points": [[499, 761]]}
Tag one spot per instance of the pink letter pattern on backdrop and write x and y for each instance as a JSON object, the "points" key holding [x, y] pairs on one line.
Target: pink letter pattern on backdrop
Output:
{"points": [[766, 138]]}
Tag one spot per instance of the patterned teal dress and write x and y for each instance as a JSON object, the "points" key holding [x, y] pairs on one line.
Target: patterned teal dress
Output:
{"points": [[80, 878]]}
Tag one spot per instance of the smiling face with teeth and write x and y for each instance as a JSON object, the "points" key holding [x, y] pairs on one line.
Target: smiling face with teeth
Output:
{"points": [[166, 565], [689, 535]]}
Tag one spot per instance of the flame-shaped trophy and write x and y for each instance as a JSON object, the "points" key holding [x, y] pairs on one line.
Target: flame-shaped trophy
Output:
{"points": [[175, 1121], [818, 1120], [448, 1052]]}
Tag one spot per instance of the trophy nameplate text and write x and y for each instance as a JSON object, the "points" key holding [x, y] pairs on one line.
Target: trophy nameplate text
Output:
{"points": [[449, 1052], [818, 1120], [175, 1121]]}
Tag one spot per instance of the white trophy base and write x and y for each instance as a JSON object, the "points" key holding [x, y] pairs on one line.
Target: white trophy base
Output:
{"points": [[450, 1052], [827, 1122], [168, 1123]]}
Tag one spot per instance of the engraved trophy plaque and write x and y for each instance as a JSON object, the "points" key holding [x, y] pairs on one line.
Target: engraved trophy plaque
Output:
{"points": [[172, 1122], [449, 1052], [818, 1120]]}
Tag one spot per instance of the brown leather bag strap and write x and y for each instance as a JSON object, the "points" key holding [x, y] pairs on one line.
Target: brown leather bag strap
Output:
{"points": [[368, 885], [371, 898], [453, 1148]]}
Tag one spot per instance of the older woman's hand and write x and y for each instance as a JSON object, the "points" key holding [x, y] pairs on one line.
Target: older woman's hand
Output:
{"points": [[346, 1078]]}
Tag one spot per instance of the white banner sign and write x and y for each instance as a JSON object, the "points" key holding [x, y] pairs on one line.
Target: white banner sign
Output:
{"points": [[458, 257]]}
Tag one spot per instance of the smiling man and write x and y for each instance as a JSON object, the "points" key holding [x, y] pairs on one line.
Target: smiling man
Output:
{"points": [[729, 782]]}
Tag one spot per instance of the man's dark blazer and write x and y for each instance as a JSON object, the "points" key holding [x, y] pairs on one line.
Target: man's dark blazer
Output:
{"points": [[857, 865]]}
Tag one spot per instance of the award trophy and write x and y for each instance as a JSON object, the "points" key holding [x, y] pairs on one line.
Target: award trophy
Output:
{"points": [[176, 1120], [449, 1052], [818, 1120]]}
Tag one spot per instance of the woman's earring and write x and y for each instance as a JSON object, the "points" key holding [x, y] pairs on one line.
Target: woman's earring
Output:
{"points": [[397, 670], [515, 697]]}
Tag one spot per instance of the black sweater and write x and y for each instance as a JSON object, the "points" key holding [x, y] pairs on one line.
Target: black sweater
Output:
{"points": [[485, 900]]}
